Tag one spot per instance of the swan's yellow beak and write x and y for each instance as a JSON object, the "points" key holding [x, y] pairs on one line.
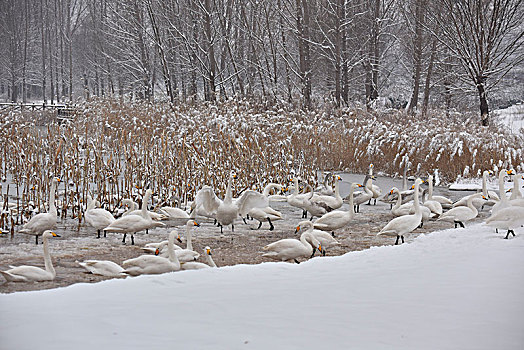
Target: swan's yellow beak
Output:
{"points": [[484, 197], [178, 239], [55, 235], [157, 251], [297, 229], [320, 248], [196, 224], [359, 185], [510, 172], [391, 192], [208, 251]]}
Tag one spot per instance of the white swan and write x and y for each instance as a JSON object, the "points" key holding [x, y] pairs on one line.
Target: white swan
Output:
{"points": [[504, 201], [32, 273], [399, 209], [97, 217], [330, 202], [509, 218], [297, 199], [405, 224], [174, 213], [314, 208], [102, 267], [325, 239], [292, 249], [374, 188], [134, 223], [152, 264], [227, 211], [43, 221], [337, 219], [459, 215], [477, 202], [363, 197], [209, 258], [184, 255]]}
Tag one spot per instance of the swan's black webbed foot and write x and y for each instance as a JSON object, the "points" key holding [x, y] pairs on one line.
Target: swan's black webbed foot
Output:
{"points": [[36, 240], [271, 227], [312, 255], [462, 224], [323, 252], [98, 234], [402, 238], [396, 242], [124, 239], [244, 219], [132, 240], [332, 233], [298, 262]]}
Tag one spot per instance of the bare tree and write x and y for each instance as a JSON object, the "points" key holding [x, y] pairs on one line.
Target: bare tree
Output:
{"points": [[486, 36]]}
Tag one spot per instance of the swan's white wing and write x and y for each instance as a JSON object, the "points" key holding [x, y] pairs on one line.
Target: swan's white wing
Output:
{"points": [[206, 199], [251, 199]]}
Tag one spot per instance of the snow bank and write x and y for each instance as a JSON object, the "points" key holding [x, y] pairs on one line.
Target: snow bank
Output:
{"points": [[454, 289]]}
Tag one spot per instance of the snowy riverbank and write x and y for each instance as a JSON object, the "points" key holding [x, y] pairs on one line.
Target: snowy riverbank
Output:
{"points": [[453, 289]]}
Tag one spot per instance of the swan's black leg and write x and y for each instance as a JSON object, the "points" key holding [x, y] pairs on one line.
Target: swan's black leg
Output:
{"points": [[497, 230], [375, 202], [313, 254], [455, 224], [232, 228], [221, 229], [304, 214], [402, 238], [215, 222], [124, 239], [421, 223], [462, 224], [244, 219], [507, 235], [298, 262], [98, 234], [513, 233], [247, 216], [311, 219], [396, 242], [323, 252], [105, 234], [332, 233], [36, 239], [369, 202], [132, 239], [271, 227], [147, 231]]}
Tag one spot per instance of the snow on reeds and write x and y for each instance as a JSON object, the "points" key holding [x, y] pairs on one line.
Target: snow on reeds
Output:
{"points": [[115, 148]]}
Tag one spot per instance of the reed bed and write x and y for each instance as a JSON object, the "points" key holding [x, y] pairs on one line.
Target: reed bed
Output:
{"points": [[116, 149]]}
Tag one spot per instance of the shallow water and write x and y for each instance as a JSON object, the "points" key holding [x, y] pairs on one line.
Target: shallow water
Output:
{"points": [[243, 246]]}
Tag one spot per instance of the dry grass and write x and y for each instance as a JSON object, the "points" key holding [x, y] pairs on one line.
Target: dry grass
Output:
{"points": [[115, 148]]}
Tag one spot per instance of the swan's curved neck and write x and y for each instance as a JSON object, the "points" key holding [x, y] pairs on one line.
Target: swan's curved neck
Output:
{"points": [[337, 189], [485, 183], [52, 207], [516, 186], [351, 205], [171, 250], [90, 203], [145, 200], [269, 187], [399, 199], [416, 203], [229, 195], [430, 188], [210, 261], [367, 188], [470, 204], [405, 178], [305, 235], [47, 258], [189, 244], [502, 192]]}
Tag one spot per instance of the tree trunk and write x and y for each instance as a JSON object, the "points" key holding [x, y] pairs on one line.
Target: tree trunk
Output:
{"points": [[417, 55], [427, 86], [210, 50], [484, 109]]}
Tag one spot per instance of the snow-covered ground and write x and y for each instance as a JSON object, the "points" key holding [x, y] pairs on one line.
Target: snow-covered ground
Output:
{"points": [[453, 289], [512, 117]]}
